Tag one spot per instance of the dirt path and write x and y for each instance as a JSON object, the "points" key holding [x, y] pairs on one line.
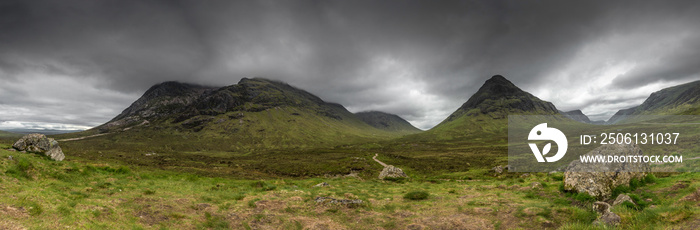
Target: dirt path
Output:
{"points": [[85, 137], [375, 159]]}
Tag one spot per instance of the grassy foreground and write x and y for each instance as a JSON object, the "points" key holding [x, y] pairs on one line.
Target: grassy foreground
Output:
{"points": [[38, 193]]}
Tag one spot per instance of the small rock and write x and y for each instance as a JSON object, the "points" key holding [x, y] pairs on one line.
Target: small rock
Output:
{"points": [[648, 200], [601, 207], [12, 150], [498, 169], [621, 199], [9, 157], [524, 175], [536, 185], [610, 219], [322, 184]]}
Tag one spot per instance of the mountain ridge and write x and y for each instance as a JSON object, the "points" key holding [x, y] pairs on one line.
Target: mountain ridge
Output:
{"points": [[681, 99], [387, 121], [252, 114]]}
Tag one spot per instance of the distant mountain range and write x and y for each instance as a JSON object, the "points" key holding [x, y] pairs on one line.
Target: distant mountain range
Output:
{"points": [[271, 114], [42, 131]]}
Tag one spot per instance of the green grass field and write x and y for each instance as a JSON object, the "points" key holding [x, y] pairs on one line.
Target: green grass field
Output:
{"points": [[91, 192]]}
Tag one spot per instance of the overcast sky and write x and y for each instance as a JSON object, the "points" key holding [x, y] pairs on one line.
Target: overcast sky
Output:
{"points": [[76, 64]]}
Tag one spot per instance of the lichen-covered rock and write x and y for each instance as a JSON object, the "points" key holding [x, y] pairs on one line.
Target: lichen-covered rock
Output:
{"points": [[621, 199], [601, 207], [498, 169], [599, 179], [39, 143], [391, 171], [610, 219]]}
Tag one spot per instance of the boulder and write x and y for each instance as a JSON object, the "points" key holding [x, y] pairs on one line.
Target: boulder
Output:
{"points": [[536, 185], [621, 199], [391, 171], [599, 179], [322, 184], [39, 143], [610, 219], [498, 169]]}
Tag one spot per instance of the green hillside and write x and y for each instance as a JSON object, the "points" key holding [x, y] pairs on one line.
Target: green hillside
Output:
{"points": [[677, 100], [388, 122]]}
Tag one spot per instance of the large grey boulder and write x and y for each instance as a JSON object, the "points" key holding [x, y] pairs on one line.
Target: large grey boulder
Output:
{"points": [[39, 143], [391, 171], [599, 179]]}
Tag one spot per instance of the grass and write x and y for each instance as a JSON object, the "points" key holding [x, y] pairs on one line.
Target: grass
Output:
{"points": [[90, 195], [416, 195], [110, 182]]}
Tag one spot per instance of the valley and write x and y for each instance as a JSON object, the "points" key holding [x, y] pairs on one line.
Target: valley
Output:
{"points": [[249, 156]]}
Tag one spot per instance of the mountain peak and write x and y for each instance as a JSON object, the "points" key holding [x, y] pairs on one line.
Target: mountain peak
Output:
{"points": [[500, 96], [498, 79]]}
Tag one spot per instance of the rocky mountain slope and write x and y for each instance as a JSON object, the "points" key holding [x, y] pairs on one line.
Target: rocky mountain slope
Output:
{"points": [[677, 100], [486, 112], [255, 112], [386, 121]]}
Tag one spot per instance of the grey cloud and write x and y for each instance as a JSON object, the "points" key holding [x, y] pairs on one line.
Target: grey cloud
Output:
{"points": [[418, 59]]}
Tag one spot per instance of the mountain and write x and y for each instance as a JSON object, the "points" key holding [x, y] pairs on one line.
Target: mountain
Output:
{"points": [[677, 100], [500, 97], [577, 115], [255, 113], [160, 101], [485, 113], [386, 121]]}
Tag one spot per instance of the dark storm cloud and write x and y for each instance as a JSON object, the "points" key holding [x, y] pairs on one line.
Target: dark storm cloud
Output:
{"points": [[418, 59]]}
